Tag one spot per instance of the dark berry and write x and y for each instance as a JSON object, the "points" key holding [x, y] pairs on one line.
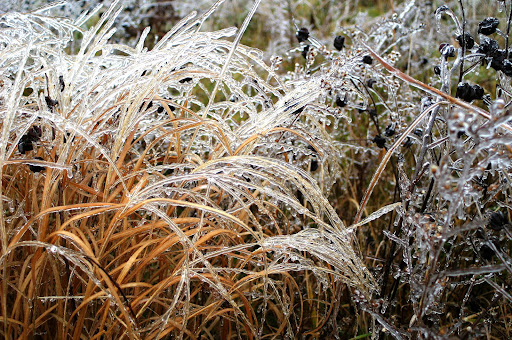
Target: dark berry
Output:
{"points": [[498, 220], [36, 168], [380, 141], [466, 40], [302, 34], [341, 102], [160, 109], [367, 59], [339, 42], [437, 70], [488, 26]]}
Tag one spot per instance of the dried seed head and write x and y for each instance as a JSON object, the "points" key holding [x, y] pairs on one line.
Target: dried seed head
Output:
{"points": [[302, 34], [488, 26], [339, 42]]}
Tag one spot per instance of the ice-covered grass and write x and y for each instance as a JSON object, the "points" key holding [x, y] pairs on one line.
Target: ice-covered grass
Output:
{"points": [[165, 192]]}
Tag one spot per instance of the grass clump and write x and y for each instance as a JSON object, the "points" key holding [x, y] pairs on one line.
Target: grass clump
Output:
{"points": [[164, 192]]}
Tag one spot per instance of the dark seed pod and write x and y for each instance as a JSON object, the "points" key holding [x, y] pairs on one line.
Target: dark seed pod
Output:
{"points": [[489, 47], [185, 80], [447, 50], [339, 42], [302, 34], [61, 83], [50, 102], [36, 168], [488, 26], [379, 141], [466, 40], [390, 130], [461, 133], [507, 67], [305, 51], [314, 165], [341, 102], [160, 109], [478, 92], [367, 59], [371, 82], [468, 92], [498, 220], [437, 70]]}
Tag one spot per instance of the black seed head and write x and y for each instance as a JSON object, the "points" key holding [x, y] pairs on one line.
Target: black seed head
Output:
{"points": [[498, 220], [468, 93], [437, 69], [488, 26], [61, 83], [379, 141], [50, 102], [302, 34], [478, 92], [305, 51], [314, 164], [489, 47], [367, 59], [466, 40], [185, 80], [447, 50], [507, 67], [160, 109], [339, 42], [341, 102], [36, 168], [390, 131]]}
